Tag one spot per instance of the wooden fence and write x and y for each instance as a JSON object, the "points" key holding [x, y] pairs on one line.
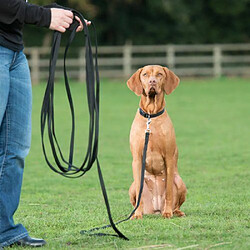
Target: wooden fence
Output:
{"points": [[121, 61]]}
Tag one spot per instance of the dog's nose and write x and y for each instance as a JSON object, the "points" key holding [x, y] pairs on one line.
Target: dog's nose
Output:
{"points": [[152, 81]]}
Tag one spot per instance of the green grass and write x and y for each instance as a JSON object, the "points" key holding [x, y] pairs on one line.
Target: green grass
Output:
{"points": [[212, 123]]}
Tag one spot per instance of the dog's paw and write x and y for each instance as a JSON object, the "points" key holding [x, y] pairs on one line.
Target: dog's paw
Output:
{"points": [[179, 213], [136, 217], [167, 215]]}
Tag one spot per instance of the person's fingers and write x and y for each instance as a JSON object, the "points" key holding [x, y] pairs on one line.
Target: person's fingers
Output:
{"points": [[87, 22], [78, 19], [60, 19], [67, 20], [69, 13], [61, 29], [65, 25], [80, 27]]}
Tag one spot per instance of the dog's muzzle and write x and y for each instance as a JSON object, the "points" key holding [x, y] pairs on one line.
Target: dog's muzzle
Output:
{"points": [[152, 92]]}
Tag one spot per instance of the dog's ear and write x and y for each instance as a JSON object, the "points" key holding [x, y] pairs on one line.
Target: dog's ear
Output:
{"points": [[171, 81], [134, 83]]}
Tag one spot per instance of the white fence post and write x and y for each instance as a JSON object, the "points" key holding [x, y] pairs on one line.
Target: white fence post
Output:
{"points": [[217, 61], [81, 57], [170, 59], [34, 65], [127, 57]]}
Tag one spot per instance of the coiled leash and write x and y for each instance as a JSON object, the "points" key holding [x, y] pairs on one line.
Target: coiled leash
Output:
{"points": [[65, 167]]}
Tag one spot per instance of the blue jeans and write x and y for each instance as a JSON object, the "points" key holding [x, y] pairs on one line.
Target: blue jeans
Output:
{"points": [[15, 137]]}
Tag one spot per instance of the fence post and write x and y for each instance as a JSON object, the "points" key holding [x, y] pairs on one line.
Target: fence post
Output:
{"points": [[170, 57], [217, 61], [127, 58], [34, 56], [81, 57]]}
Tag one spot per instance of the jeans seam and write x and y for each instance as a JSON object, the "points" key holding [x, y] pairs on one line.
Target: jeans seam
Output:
{"points": [[6, 146], [6, 150], [13, 240]]}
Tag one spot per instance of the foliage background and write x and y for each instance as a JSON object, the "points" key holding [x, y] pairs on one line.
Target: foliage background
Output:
{"points": [[158, 21]]}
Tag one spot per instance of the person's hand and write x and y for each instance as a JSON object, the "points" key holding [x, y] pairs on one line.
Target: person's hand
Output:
{"points": [[80, 27], [60, 19]]}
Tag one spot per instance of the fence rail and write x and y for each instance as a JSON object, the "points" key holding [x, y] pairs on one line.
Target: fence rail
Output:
{"points": [[121, 61]]}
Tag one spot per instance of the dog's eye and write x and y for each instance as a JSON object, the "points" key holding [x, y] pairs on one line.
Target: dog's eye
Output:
{"points": [[145, 74], [159, 74]]}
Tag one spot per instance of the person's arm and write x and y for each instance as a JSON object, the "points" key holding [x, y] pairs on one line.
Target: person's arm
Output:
{"points": [[53, 18], [12, 10]]}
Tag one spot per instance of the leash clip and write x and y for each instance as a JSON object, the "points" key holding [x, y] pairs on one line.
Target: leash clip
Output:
{"points": [[148, 123]]}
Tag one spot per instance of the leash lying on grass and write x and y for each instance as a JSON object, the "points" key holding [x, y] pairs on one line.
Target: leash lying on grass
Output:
{"points": [[65, 167]]}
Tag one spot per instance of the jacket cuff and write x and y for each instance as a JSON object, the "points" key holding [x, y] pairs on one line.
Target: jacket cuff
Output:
{"points": [[45, 18]]}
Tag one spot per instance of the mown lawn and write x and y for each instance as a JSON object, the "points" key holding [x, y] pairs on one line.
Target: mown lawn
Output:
{"points": [[212, 123]]}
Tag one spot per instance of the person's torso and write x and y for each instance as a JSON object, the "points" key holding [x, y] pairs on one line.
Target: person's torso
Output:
{"points": [[11, 35]]}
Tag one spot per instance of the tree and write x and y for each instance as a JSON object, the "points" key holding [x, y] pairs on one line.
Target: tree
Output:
{"points": [[161, 21]]}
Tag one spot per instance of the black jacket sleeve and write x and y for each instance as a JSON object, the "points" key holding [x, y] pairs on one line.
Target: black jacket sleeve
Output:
{"points": [[19, 10]]}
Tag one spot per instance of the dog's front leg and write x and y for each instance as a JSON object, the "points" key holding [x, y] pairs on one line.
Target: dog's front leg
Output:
{"points": [[137, 165], [168, 208]]}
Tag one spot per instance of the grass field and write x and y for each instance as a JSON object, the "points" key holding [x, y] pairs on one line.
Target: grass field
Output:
{"points": [[212, 124]]}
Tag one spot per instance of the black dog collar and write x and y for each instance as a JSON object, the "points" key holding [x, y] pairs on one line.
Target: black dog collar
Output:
{"points": [[146, 115]]}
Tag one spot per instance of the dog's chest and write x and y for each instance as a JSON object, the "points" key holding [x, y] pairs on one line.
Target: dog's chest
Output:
{"points": [[155, 163]]}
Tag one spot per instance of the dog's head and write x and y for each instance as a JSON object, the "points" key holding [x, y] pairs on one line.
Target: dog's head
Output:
{"points": [[152, 80]]}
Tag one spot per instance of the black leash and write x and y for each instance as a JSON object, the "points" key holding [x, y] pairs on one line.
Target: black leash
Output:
{"points": [[65, 167], [139, 196]]}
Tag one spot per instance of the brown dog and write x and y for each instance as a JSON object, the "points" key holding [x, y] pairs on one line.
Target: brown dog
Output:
{"points": [[164, 191]]}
